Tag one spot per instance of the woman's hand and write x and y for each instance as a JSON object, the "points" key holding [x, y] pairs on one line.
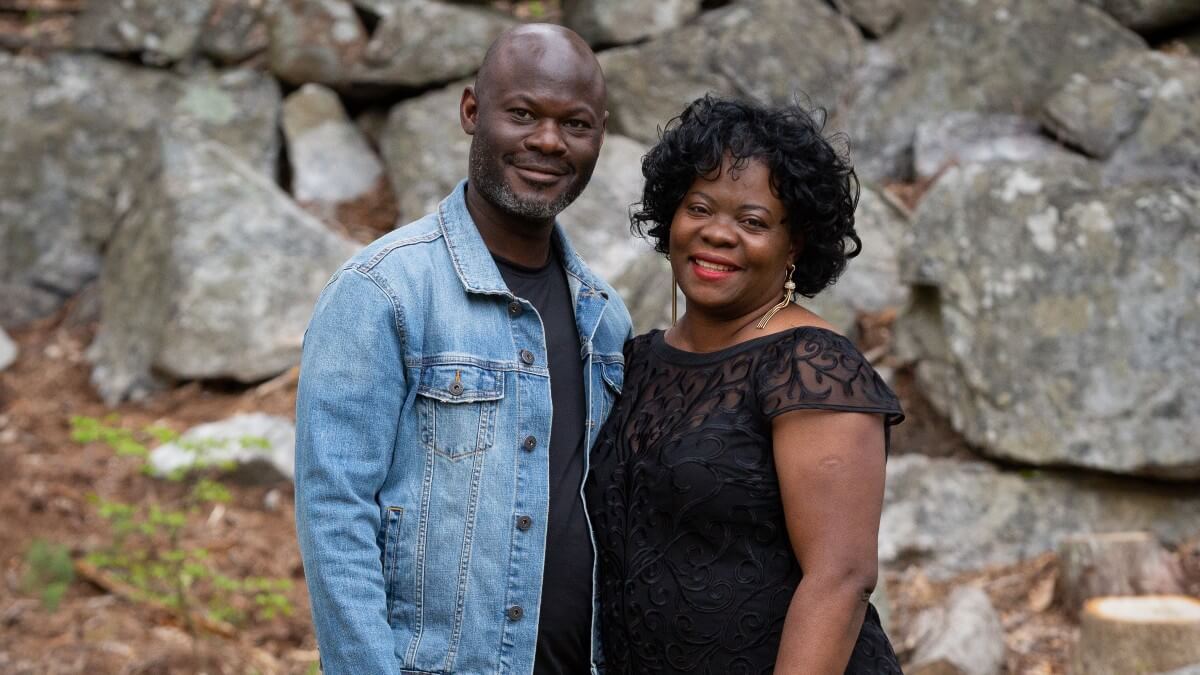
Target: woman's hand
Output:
{"points": [[831, 478]]}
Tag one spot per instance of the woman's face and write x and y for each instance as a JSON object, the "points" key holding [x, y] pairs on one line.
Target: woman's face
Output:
{"points": [[730, 243]]}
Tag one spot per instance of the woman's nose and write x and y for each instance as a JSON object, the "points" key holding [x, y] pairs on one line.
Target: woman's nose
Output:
{"points": [[719, 231]]}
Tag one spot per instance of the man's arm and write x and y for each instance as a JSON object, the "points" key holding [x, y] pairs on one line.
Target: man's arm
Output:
{"points": [[352, 387]]}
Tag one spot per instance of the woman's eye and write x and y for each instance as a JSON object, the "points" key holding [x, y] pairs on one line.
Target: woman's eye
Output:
{"points": [[754, 222], [697, 209]]}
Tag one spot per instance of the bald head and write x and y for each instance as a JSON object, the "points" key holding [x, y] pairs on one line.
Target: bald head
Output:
{"points": [[542, 50]]}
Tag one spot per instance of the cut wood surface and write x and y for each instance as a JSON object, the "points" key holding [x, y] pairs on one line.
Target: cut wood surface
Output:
{"points": [[1114, 564], [1144, 634]]}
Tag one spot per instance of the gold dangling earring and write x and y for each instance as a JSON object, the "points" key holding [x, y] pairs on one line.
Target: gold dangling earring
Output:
{"points": [[674, 299], [789, 292]]}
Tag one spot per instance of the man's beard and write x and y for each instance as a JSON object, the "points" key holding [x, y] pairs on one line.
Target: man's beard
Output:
{"points": [[487, 169]]}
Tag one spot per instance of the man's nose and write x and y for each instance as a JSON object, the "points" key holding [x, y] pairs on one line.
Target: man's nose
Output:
{"points": [[546, 138]]}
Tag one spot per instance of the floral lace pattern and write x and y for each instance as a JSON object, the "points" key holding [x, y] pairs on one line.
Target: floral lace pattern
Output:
{"points": [[696, 569]]}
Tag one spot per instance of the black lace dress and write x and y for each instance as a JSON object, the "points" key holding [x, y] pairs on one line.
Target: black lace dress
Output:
{"points": [[696, 569]]}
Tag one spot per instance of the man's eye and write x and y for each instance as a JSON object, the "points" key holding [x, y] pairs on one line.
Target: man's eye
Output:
{"points": [[521, 113], [577, 124]]}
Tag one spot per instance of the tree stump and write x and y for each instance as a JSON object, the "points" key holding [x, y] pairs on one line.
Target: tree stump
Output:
{"points": [[1144, 634], [1113, 564]]}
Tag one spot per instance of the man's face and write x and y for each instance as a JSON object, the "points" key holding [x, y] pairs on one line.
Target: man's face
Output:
{"points": [[537, 127]]}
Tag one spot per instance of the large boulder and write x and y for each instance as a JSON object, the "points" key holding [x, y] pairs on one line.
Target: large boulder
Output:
{"points": [[335, 174], [983, 56], [159, 31], [948, 516], [1150, 15], [212, 275], [1141, 113], [624, 21], [426, 152], [871, 282], [76, 133], [1055, 321], [416, 43], [748, 49]]}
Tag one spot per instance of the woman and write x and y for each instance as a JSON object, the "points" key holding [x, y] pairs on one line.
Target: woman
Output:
{"points": [[737, 486]]}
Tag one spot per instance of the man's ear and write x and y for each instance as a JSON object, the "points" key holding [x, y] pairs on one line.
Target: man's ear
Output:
{"points": [[468, 110]]}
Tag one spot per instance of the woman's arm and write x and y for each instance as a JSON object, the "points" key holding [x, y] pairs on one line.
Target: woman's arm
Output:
{"points": [[831, 477]]}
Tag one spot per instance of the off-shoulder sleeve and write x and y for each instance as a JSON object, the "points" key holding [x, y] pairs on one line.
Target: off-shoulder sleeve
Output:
{"points": [[816, 369]]}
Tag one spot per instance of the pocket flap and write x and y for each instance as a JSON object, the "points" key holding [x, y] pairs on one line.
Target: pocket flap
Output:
{"points": [[614, 376], [461, 383]]}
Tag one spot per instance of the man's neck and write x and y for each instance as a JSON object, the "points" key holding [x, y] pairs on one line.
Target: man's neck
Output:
{"points": [[520, 240]]}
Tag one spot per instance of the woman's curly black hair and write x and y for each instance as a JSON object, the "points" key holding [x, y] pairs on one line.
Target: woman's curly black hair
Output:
{"points": [[816, 184]]}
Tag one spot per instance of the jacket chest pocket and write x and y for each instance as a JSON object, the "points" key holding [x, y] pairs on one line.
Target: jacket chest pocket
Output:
{"points": [[457, 407]]}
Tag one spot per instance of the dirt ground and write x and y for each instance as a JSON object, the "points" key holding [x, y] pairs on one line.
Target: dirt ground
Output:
{"points": [[47, 477]]}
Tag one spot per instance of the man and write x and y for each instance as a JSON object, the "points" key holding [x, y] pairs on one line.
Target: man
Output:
{"points": [[455, 374]]}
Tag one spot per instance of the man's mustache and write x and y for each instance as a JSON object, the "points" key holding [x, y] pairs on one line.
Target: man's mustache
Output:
{"points": [[538, 162]]}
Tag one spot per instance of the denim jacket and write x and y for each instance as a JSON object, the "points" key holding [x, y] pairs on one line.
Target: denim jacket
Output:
{"points": [[423, 419]]}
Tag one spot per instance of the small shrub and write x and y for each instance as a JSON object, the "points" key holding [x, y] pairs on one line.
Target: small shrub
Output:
{"points": [[146, 548], [48, 572]]}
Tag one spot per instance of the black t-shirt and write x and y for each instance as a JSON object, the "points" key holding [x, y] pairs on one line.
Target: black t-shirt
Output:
{"points": [[565, 621]]}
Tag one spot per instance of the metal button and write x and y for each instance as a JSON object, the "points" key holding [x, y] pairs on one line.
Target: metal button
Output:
{"points": [[527, 357], [514, 308], [456, 388], [524, 522], [514, 613], [530, 443]]}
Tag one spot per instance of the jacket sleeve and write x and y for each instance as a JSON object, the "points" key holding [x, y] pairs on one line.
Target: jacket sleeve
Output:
{"points": [[352, 386]]}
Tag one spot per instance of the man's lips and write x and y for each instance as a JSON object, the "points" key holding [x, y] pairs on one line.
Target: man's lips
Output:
{"points": [[541, 172]]}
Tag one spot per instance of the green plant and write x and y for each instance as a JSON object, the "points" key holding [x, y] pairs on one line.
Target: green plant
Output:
{"points": [[48, 572], [146, 548]]}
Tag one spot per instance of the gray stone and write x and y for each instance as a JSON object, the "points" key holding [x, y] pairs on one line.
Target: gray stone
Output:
{"points": [[1055, 319], [8, 351], [424, 42], [417, 42], [1150, 15], [263, 446], [748, 49], [1166, 144], [1186, 670], [625, 21], [871, 282], [962, 637], [878, 17], [160, 31], [314, 40], [1099, 110], [76, 131], [235, 31], [425, 150], [332, 164], [948, 517], [972, 138], [212, 276], [983, 56]]}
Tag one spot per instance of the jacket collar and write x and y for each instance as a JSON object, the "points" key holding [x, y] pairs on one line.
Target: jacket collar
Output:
{"points": [[474, 264]]}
